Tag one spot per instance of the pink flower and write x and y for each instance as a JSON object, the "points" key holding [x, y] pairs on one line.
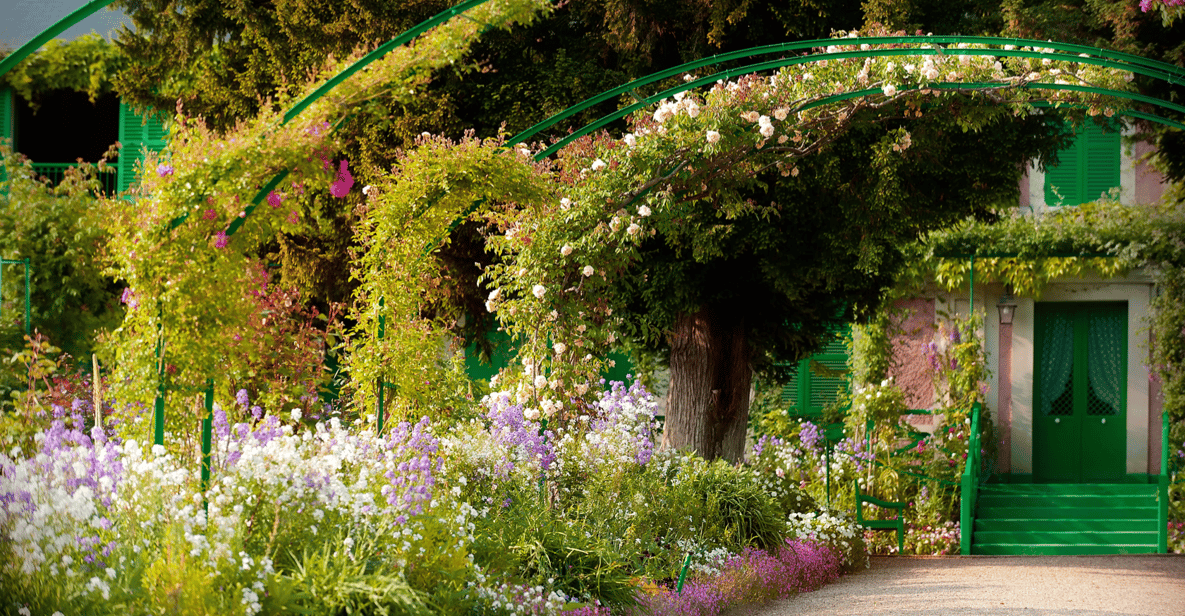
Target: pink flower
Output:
{"points": [[220, 239], [129, 298], [164, 169], [294, 217], [345, 181], [274, 199], [209, 215]]}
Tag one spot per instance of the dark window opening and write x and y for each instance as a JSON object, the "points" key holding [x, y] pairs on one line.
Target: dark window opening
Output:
{"points": [[66, 127]]}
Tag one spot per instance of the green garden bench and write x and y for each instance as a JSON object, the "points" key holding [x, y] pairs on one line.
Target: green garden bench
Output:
{"points": [[897, 524]]}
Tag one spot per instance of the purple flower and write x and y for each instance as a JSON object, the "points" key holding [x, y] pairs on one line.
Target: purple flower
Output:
{"points": [[241, 398], [274, 199], [164, 169], [220, 239], [129, 298]]}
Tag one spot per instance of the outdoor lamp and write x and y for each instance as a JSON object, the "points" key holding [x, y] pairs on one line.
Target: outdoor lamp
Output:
{"points": [[1007, 307]]}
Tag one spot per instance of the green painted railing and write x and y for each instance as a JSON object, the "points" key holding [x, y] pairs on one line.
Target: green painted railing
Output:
{"points": [[56, 172], [970, 484], [1162, 493]]}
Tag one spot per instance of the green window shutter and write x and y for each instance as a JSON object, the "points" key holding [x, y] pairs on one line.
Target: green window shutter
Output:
{"points": [[7, 113], [1101, 167], [137, 133], [819, 378], [1064, 178], [1088, 168]]}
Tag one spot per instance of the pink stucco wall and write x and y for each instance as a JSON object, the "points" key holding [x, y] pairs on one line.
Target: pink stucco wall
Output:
{"points": [[912, 370], [1150, 184]]}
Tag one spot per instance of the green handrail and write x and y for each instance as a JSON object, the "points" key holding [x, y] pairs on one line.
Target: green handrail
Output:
{"points": [[970, 487], [1162, 493]]}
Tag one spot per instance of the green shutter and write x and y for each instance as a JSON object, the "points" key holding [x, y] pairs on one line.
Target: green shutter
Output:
{"points": [[7, 113], [1101, 167], [137, 133], [819, 379], [1087, 169]]}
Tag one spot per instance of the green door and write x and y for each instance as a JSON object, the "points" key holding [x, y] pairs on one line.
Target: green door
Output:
{"points": [[1079, 390]]}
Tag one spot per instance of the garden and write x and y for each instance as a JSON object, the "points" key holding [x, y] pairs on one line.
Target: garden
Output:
{"points": [[248, 382]]}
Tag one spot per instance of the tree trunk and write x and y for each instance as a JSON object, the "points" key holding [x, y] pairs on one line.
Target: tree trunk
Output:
{"points": [[708, 400]]}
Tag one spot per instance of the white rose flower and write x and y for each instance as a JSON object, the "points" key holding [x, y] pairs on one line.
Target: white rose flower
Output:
{"points": [[560, 348], [633, 229], [540, 382], [713, 136], [643, 211], [539, 290], [630, 140], [531, 414], [495, 294], [890, 90], [295, 414], [565, 203], [767, 130], [781, 112], [566, 250], [588, 271], [598, 164]]}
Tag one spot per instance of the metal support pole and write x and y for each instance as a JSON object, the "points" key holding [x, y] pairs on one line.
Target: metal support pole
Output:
{"points": [[28, 320], [381, 386], [207, 438], [158, 415]]}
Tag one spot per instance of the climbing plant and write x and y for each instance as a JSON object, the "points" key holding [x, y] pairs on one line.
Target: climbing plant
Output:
{"points": [[187, 241]]}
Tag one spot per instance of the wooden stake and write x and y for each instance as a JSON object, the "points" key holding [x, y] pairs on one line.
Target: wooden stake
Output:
{"points": [[98, 401]]}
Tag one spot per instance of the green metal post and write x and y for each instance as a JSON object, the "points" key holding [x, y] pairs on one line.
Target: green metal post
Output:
{"points": [[683, 573], [28, 318], [1162, 495], [381, 386], [207, 438], [827, 472], [158, 414], [543, 435]]}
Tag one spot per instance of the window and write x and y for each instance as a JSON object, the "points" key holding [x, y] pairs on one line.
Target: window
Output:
{"points": [[1088, 168], [819, 379]]}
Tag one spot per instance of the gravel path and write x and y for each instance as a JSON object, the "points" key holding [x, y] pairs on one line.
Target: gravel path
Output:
{"points": [[1152, 585]]}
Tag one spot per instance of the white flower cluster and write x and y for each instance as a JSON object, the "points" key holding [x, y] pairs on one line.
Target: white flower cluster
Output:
{"points": [[836, 531]]}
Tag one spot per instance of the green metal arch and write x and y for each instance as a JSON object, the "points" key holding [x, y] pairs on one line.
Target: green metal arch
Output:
{"points": [[1161, 70], [80, 13], [1151, 68]]}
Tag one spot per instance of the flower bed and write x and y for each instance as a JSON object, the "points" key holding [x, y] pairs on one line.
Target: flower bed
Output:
{"points": [[502, 513]]}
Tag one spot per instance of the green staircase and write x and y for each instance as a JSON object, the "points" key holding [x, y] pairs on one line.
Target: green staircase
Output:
{"points": [[1066, 519]]}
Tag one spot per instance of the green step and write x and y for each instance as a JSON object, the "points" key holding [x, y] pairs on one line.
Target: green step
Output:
{"points": [[1076, 513], [1022, 549], [1066, 519], [1098, 525], [1062, 501], [1029, 537], [1068, 488]]}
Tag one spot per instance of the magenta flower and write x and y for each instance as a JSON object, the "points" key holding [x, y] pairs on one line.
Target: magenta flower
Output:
{"points": [[274, 199], [220, 239], [209, 215], [294, 217], [164, 169], [341, 187]]}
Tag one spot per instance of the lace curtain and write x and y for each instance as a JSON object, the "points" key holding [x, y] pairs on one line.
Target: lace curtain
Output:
{"points": [[1105, 345], [1057, 359]]}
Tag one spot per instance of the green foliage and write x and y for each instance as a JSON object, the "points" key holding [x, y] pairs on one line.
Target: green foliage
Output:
{"points": [[87, 64], [338, 578], [60, 230]]}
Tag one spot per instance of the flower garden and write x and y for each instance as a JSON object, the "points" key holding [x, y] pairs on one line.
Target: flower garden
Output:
{"points": [[244, 449]]}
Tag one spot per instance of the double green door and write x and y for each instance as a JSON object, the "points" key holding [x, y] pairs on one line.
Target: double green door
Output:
{"points": [[1080, 392]]}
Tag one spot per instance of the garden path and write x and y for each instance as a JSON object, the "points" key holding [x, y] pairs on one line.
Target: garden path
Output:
{"points": [[1152, 585]]}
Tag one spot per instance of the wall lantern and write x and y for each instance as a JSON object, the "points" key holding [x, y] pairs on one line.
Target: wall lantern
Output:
{"points": [[1007, 307]]}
